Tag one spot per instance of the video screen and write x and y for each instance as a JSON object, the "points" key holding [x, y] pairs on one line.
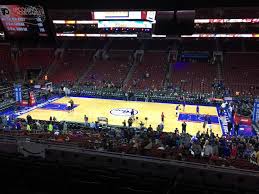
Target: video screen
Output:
{"points": [[24, 21], [124, 24], [124, 15]]}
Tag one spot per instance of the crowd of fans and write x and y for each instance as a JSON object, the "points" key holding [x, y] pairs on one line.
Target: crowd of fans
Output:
{"points": [[205, 147]]}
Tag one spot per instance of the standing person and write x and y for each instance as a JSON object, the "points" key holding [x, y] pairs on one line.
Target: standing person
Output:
{"points": [[64, 128], [257, 156], [184, 127], [162, 117], [161, 127], [197, 109], [205, 121], [150, 129], [127, 96], [68, 106], [71, 105], [28, 127], [230, 125], [50, 127], [38, 125], [124, 123], [18, 125], [146, 97], [86, 121], [184, 104], [29, 119], [236, 128], [209, 123], [130, 121], [132, 113], [177, 110]]}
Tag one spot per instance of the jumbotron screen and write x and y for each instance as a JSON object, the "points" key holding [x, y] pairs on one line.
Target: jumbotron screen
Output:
{"points": [[124, 15], [24, 21]]}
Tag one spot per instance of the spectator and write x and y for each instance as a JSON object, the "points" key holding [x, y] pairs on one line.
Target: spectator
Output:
{"points": [[230, 125], [160, 127], [38, 125], [124, 123], [28, 128], [86, 121], [209, 123], [162, 117], [50, 127], [236, 128], [130, 122], [18, 125], [207, 149], [233, 154], [150, 129], [29, 119], [64, 128], [196, 149], [184, 127], [257, 156]]}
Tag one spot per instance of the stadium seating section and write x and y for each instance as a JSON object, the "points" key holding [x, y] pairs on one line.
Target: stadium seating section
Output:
{"points": [[241, 72], [154, 64], [31, 58], [77, 62], [69, 67], [6, 67], [114, 69], [193, 77]]}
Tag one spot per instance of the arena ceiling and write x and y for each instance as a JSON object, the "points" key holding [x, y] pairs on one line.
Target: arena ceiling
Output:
{"points": [[137, 4]]}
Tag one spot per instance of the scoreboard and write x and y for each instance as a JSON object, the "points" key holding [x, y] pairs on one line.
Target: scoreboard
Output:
{"points": [[124, 15], [24, 21]]}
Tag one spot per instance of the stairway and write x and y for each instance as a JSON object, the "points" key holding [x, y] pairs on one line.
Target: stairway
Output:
{"points": [[54, 65], [82, 77], [171, 60], [90, 66], [136, 61]]}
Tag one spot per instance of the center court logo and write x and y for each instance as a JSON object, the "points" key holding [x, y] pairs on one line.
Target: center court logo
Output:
{"points": [[123, 112]]}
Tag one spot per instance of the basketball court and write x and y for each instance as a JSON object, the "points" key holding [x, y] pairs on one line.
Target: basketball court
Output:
{"points": [[118, 110]]}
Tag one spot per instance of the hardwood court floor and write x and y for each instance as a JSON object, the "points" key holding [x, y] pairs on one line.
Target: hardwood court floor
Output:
{"points": [[118, 110]]}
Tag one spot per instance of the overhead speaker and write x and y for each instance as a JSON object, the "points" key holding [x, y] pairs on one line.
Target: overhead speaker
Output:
{"points": [[185, 21], [174, 23], [163, 20]]}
